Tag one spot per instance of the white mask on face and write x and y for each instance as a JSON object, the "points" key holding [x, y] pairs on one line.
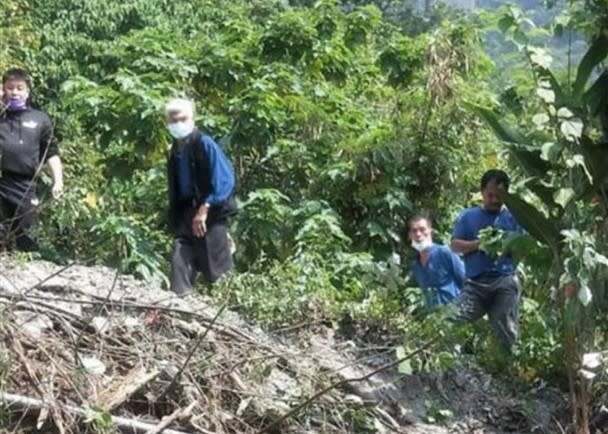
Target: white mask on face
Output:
{"points": [[179, 130], [420, 246]]}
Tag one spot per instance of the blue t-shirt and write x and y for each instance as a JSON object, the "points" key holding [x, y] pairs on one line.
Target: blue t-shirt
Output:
{"points": [[467, 228], [441, 278]]}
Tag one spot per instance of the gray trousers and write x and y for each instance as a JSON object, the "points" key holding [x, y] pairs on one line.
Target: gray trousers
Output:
{"points": [[211, 255], [496, 296]]}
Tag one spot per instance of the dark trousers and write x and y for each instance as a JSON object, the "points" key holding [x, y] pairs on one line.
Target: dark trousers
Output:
{"points": [[15, 221], [496, 296], [209, 255]]}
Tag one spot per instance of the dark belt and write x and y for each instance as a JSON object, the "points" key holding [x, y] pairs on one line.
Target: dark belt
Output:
{"points": [[487, 277], [187, 203]]}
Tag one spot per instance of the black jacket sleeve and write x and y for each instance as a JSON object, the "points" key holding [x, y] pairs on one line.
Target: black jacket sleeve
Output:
{"points": [[49, 146]]}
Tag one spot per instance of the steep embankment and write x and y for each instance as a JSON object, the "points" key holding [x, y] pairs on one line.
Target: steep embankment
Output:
{"points": [[86, 347]]}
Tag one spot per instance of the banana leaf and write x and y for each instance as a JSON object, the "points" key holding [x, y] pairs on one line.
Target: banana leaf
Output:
{"points": [[534, 222], [594, 55], [516, 142]]}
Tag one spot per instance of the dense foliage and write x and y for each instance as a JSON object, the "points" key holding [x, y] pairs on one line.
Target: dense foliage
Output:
{"points": [[331, 117]]}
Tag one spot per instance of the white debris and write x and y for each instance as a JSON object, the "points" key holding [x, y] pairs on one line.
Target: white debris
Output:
{"points": [[592, 360], [587, 375], [93, 365], [101, 324]]}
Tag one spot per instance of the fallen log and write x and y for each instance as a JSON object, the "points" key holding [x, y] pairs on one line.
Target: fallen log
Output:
{"points": [[132, 426]]}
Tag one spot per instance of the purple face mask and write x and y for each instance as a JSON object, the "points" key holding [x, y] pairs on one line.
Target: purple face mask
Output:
{"points": [[15, 103]]}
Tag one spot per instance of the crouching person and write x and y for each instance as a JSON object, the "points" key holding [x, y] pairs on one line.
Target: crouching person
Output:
{"points": [[437, 270], [201, 199]]}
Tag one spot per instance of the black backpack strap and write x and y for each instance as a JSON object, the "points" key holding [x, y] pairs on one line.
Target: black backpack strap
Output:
{"points": [[228, 208], [196, 154]]}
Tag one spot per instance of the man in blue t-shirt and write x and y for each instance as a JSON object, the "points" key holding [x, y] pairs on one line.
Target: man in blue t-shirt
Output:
{"points": [[437, 270], [491, 286]]}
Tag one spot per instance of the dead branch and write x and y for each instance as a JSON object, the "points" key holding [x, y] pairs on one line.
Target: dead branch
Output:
{"points": [[197, 343], [226, 330], [180, 413], [119, 392], [124, 424], [340, 383], [90, 320]]}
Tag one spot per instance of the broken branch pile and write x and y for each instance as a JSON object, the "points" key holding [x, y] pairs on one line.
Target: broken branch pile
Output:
{"points": [[89, 349]]}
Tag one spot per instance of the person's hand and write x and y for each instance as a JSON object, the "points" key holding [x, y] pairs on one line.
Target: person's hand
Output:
{"points": [[199, 222], [57, 189]]}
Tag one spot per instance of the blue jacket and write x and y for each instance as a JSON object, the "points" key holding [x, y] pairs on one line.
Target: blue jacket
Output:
{"points": [[199, 172], [441, 278]]}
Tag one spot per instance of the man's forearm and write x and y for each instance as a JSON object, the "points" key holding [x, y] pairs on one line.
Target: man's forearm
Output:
{"points": [[464, 246], [54, 164]]}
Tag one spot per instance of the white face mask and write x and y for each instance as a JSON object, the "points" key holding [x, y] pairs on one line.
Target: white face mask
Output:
{"points": [[422, 245], [179, 130]]}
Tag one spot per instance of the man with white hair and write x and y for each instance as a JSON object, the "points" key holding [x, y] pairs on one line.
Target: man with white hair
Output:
{"points": [[201, 199]]}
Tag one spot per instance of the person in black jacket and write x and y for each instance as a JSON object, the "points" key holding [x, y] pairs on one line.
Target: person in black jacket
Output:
{"points": [[27, 143], [201, 198]]}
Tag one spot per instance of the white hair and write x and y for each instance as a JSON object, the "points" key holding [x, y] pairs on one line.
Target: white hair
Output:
{"points": [[180, 105]]}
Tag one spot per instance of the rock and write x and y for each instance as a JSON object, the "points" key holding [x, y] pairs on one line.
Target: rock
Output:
{"points": [[101, 324], [32, 324], [93, 365], [283, 384]]}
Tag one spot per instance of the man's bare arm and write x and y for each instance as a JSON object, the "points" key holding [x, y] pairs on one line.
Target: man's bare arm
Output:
{"points": [[464, 246], [56, 169]]}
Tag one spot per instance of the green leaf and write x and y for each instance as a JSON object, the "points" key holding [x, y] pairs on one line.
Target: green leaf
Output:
{"points": [[572, 129], [376, 230], [564, 113], [594, 55], [550, 151], [537, 225], [601, 259], [540, 57], [520, 37], [504, 131], [596, 97], [400, 352], [530, 161], [405, 367], [596, 161], [546, 93], [540, 119], [561, 22], [563, 196], [550, 84], [505, 23], [445, 413], [579, 160], [584, 295], [543, 192]]}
